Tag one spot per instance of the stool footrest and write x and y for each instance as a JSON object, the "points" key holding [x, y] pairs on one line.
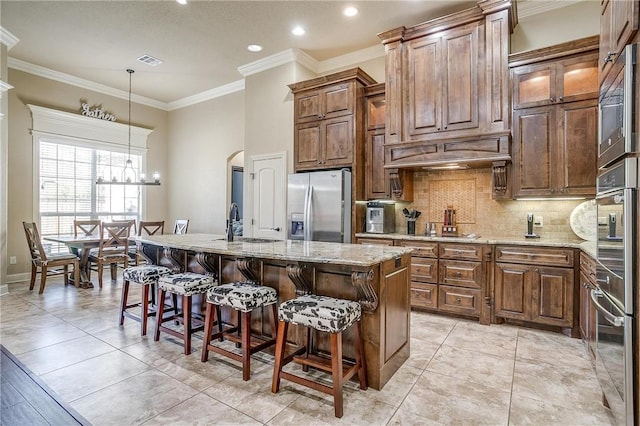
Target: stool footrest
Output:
{"points": [[257, 342], [306, 382], [324, 364]]}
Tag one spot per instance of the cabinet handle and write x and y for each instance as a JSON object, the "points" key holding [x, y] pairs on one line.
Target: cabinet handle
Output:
{"points": [[536, 270], [552, 190], [445, 127], [560, 98], [609, 57], [551, 100], [319, 117], [438, 128]]}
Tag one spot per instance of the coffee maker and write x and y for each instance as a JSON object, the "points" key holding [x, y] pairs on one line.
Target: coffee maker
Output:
{"points": [[381, 218]]}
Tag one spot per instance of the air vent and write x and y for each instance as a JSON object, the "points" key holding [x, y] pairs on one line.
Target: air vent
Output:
{"points": [[149, 60]]}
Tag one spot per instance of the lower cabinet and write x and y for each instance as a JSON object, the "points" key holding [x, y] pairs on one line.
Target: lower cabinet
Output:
{"points": [[535, 284], [587, 309], [424, 273]]}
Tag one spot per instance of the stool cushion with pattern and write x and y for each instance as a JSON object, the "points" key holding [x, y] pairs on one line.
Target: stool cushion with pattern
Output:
{"points": [[242, 296], [320, 312], [145, 274], [185, 283]]}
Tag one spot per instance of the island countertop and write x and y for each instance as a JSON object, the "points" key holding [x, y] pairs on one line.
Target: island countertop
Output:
{"points": [[289, 250]]}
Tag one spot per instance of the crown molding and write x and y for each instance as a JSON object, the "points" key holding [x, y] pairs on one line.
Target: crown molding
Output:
{"points": [[356, 57], [4, 87], [20, 65], [277, 59], [216, 92], [7, 38], [532, 7]]}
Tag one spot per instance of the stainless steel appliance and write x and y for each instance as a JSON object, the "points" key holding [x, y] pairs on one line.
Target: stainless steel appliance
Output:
{"points": [[617, 109], [617, 254], [319, 206], [381, 218]]}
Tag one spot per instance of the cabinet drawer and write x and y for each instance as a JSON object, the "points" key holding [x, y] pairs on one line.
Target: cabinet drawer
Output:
{"points": [[461, 273], [375, 241], [535, 255], [424, 295], [587, 265], [461, 251], [424, 269], [459, 300], [421, 248]]}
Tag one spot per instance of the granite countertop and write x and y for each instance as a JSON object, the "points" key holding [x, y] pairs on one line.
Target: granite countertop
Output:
{"points": [[587, 246], [289, 250]]}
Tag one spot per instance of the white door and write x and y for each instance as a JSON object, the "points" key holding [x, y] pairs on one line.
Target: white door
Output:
{"points": [[268, 185]]}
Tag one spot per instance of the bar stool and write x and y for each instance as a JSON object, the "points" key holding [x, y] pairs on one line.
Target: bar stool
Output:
{"points": [[324, 314], [243, 297], [147, 276], [185, 284]]}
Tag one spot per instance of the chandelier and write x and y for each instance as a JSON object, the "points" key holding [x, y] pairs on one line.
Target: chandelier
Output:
{"points": [[129, 175]]}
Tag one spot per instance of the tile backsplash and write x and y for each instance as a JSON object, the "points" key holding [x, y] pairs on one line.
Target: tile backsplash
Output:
{"points": [[469, 192]]}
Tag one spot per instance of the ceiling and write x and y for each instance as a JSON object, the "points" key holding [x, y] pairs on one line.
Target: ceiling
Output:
{"points": [[201, 44]]}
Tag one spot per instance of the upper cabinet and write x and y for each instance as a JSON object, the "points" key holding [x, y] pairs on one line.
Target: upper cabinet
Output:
{"points": [[328, 115], [555, 120], [618, 25], [447, 88]]}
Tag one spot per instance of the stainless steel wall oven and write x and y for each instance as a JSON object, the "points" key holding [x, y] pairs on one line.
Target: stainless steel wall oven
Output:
{"points": [[616, 292]]}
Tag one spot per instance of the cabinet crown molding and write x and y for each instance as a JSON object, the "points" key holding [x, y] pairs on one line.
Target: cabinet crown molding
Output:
{"points": [[350, 74]]}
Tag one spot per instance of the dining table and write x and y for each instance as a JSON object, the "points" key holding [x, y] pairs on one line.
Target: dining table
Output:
{"points": [[81, 246]]}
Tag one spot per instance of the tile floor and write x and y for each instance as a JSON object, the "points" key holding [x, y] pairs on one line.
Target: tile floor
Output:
{"points": [[459, 373]]}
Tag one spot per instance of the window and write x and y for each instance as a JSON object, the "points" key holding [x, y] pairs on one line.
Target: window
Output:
{"points": [[68, 191]]}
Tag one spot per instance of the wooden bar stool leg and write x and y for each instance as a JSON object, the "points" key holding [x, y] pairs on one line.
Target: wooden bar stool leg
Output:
{"points": [[186, 319], [273, 320], [144, 309], [123, 301], [159, 314], [307, 347], [281, 342], [208, 328], [336, 370], [246, 345]]}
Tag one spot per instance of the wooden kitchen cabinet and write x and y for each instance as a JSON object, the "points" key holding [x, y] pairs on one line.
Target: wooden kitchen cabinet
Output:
{"points": [[535, 284], [587, 309], [381, 183], [555, 121], [447, 88], [424, 273], [329, 117], [618, 26]]}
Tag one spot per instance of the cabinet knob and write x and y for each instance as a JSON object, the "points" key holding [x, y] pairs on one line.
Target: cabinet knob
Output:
{"points": [[551, 100], [445, 127], [609, 57], [438, 128], [537, 270], [552, 190], [560, 98]]}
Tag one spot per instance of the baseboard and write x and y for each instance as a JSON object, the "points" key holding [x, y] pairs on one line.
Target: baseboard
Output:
{"points": [[18, 278]]}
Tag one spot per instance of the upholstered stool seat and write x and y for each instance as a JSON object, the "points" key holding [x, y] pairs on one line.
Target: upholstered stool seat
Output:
{"points": [[147, 276], [324, 314], [186, 285], [243, 297]]}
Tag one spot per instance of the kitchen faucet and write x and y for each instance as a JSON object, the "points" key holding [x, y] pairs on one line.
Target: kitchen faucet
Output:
{"points": [[233, 208]]}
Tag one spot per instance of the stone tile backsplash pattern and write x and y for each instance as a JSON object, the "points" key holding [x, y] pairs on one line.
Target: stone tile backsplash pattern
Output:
{"points": [[499, 219]]}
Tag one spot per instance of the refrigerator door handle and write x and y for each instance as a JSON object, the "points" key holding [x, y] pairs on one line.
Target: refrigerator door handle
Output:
{"points": [[308, 214]]}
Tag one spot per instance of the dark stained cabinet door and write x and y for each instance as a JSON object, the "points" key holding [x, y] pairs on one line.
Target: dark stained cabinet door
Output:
{"points": [[424, 89], [552, 296], [307, 144], [376, 176], [511, 291], [533, 140], [578, 141], [337, 149]]}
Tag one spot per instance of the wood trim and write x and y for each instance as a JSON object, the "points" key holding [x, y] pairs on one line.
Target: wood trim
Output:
{"points": [[350, 74], [556, 51]]}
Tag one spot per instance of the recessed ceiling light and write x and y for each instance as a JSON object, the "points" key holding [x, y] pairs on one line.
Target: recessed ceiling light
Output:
{"points": [[350, 11], [182, 1], [254, 48], [298, 31]]}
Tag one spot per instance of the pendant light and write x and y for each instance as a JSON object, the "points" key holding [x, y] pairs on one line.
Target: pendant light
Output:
{"points": [[129, 175]]}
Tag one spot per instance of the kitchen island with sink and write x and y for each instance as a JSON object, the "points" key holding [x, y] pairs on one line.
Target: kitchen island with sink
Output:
{"points": [[377, 277]]}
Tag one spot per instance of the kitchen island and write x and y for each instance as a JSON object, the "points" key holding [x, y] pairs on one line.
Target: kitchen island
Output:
{"points": [[377, 277]]}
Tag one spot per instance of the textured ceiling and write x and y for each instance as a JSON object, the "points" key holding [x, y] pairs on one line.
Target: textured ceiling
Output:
{"points": [[202, 43]]}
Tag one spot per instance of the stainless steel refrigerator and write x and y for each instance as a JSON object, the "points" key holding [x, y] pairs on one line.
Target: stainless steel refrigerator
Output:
{"points": [[319, 206]]}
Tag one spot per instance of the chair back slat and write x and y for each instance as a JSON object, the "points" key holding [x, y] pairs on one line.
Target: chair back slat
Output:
{"points": [[38, 255], [181, 226], [86, 227], [151, 228]]}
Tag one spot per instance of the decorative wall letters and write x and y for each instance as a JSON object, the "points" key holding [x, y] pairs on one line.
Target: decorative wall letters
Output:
{"points": [[96, 112]]}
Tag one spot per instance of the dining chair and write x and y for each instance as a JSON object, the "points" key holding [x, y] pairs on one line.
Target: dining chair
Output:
{"points": [[147, 227], [113, 248], [43, 260], [181, 226]]}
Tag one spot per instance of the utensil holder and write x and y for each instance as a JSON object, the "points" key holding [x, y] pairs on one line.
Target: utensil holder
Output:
{"points": [[411, 227]]}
